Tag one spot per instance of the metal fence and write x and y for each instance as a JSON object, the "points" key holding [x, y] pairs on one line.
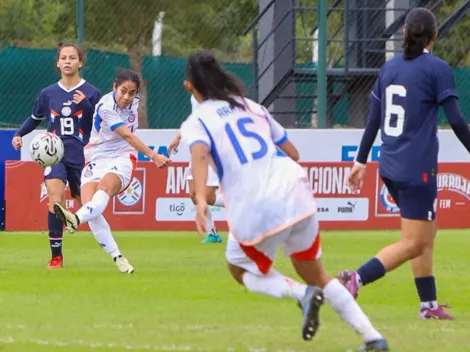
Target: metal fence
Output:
{"points": [[154, 37]]}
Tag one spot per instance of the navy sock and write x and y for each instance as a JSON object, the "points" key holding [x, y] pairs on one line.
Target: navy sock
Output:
{"points": [[56, 229], [426, 287], [371, 271]]}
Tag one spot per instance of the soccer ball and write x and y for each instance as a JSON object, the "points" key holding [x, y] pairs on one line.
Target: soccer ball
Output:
{"points": [[46, 149]]}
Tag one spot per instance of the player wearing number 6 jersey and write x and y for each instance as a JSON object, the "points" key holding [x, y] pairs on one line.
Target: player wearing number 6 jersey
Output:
{"points": [[68, 107], [403, 105], [267, 194]]}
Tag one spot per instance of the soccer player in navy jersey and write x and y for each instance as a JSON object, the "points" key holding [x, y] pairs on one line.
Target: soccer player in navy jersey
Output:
{"points": [[404, 105], [68, 106]]}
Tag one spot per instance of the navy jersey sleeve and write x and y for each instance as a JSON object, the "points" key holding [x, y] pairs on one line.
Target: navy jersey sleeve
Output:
{"points": [[444, 81], [373, 124], [40, 108]]}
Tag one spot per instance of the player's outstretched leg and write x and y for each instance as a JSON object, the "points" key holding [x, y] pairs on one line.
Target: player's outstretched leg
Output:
{"points": [[338, 297], [103, 235]]}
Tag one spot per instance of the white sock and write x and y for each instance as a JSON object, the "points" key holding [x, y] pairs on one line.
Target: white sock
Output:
{"points": [[339, 298], [219, 200], [210, 226], [274, 284], [94, 208], [102, 232], [430, 305]]}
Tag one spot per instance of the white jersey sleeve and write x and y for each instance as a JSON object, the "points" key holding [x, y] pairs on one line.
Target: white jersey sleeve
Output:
{"points": [[111, 118], [278, 133], [192, 131]]}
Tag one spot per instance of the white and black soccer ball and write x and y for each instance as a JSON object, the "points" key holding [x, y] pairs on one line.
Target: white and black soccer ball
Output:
{"points": [[46, 149]]}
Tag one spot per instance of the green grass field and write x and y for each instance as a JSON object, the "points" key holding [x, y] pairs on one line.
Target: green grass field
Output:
{"points": [[181, 298]]}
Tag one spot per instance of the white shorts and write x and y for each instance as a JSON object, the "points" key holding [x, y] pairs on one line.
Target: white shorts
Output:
{"points": [[123, 167], [212, 178], [301, 242]]}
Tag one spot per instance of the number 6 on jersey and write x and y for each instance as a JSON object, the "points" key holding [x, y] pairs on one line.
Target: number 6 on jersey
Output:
{"points": [[394, 109]]}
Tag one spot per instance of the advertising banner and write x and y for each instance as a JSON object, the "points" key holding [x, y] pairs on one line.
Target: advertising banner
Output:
{"points": [[314, 145], [158, 199]]}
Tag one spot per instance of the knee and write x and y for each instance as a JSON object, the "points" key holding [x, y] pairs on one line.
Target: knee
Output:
{"points": [[192, 194], [415, 247], [56, 198], [210, 198], [236, 272]]}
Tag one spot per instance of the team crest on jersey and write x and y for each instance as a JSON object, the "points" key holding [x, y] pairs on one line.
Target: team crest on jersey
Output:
{"points": [[131, 117], [66, 111]]}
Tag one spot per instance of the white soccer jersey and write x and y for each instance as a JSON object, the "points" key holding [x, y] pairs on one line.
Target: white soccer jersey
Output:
{"points": [[212, 178], [265, 191], [104, 141]]}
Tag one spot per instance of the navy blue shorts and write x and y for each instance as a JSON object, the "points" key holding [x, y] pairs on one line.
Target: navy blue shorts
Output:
{"points": [[417, 201], [65, 173]]}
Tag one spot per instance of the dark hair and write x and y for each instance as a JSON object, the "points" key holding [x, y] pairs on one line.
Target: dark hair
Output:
{"points": [[212, 81], [123, 75], [420, 25], [79, 50]]}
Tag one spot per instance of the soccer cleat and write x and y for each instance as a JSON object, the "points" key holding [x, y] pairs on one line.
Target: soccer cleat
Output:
{"points": [[56, 263], [436, 313], [310, 308], [69, 219], [376, 345], [212, 238], [123, 265], [349, 280]]}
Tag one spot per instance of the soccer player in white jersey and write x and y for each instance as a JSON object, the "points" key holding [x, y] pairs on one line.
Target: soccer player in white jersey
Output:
{"points": [[110, 158], [212, 196], [267, 195]]}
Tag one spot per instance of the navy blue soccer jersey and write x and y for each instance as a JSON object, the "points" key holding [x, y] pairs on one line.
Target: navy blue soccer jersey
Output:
{"points": [[410, 93], [66, 119]]}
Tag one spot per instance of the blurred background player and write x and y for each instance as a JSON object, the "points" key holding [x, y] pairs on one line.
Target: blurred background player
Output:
{"points": [[267, 195], [213, 197], [110, 162], [68, 107], [404, 104]]}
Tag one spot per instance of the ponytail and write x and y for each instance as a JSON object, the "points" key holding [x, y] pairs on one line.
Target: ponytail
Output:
{"points": [[415, 41], [420, 28], [212, 81]]}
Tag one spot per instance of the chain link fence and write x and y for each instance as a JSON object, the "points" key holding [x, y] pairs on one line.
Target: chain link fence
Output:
{"points": [[361, 37], [154, 37]]}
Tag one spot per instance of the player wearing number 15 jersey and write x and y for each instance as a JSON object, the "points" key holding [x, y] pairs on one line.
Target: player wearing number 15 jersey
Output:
{"points": [[404, 105], [68, 108], [267, 194]]}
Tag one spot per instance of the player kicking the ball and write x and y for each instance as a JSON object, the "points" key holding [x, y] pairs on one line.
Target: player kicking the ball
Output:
{"points": [[212, 196], [403, 105], [110, 162], [268, 198]]}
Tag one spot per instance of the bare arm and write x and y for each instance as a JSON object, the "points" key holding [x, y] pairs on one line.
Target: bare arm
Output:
{"points": [[135, 142], [199, 165], [291, 151]]}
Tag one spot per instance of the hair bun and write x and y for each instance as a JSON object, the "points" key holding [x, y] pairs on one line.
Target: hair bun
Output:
{"points": [[417, 28], [207, 60], [60, 44]]}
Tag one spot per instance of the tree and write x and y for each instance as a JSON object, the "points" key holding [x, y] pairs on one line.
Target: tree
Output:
{"points": [[33, 23]]}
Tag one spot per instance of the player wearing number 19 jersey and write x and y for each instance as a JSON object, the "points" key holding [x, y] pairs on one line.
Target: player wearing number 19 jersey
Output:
{"points": [[404, 105], [68, 108]]}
